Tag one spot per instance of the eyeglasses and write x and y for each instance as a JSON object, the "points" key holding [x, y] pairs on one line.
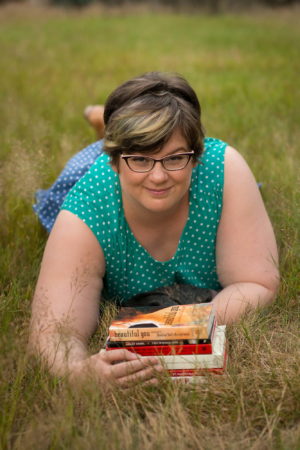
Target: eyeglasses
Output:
{"points": [[138, 163]]}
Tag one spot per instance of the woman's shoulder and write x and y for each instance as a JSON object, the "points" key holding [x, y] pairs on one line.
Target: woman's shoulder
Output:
{"points": [[209, 173], [214, 149], [237, 171]]}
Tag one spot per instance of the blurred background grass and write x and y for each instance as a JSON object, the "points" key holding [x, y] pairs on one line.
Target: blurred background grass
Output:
{"points": [[245, 70]]}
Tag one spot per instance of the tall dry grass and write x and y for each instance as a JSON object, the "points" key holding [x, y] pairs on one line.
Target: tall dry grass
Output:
{"points": [[245, 70]]}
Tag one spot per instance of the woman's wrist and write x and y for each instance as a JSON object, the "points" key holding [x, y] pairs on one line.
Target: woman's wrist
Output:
{"points": [[238, 298], [60, 353]]}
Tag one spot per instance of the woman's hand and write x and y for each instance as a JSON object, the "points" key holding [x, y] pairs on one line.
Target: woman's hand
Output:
{"points": [[116, 368]]}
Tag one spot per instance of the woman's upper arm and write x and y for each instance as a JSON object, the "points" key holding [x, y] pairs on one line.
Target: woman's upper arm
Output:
{"points": [[70, 280], [246, 247]]}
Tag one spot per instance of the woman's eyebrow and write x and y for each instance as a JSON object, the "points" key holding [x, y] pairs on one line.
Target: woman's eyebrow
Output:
{"points": [[171, 152], [177, 150]]}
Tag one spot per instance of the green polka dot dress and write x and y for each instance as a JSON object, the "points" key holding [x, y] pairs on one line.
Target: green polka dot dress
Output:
{"points": [[130, 269]]}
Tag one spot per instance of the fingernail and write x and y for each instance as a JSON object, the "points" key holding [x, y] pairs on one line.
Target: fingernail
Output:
{"points": [[155, 359]]}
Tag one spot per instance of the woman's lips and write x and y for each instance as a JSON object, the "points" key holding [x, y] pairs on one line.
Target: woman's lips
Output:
{"points": [[158, 192]]}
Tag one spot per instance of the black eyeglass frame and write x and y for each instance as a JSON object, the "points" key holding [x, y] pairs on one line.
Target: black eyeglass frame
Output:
{"points": [[161, 160]]}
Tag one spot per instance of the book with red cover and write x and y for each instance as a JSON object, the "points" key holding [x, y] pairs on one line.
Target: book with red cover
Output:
{"points": [[156, 323], [153, 350], [169, 348], [195, 372]]}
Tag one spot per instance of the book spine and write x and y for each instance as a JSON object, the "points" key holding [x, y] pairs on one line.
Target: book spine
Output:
{"points": [[169, 349], [196, 342], [159, 333], [216, 365], [192, 361], [195, 372], [116, 344]]}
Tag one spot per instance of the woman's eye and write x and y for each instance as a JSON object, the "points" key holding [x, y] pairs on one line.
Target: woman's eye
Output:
{"points": [[175, 158], [138, 159]]}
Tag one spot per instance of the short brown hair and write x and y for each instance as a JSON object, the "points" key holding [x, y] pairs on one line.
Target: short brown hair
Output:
{"points": [[141, 115]]}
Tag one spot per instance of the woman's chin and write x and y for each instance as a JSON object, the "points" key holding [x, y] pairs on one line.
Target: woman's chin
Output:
{"points": [[160, 205]]}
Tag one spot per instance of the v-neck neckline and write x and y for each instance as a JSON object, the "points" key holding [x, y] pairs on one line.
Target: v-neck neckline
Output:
{"points": [[135, 241]]}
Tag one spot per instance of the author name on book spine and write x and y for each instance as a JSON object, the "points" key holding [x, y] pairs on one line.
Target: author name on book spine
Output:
{"points": [[146, 334]]}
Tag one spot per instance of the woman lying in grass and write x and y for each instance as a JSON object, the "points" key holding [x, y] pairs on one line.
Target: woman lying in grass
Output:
{"points": [[161, 204]]}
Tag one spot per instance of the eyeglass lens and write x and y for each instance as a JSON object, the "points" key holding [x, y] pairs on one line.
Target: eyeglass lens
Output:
{"points": [[144, 163]]}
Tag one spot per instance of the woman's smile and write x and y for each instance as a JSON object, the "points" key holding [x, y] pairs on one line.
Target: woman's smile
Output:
{"points": [[155, 192]]}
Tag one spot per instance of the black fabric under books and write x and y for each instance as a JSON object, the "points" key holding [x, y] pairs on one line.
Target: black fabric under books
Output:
{"points": [[176, 294]]}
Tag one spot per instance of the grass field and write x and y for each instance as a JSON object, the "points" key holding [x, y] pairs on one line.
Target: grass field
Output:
{"points": [[246, 73]]}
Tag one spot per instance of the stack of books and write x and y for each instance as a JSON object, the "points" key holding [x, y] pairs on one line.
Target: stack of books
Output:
{"points": [[185, 337]]}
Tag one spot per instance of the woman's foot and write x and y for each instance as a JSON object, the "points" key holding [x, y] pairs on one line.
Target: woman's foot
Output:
{"points": [[94, 115]]}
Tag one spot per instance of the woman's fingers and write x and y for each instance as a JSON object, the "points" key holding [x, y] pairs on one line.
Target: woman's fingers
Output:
{"points": [[126, 363], [126, 367], [151, 382], [121, 354], [144, 375]]}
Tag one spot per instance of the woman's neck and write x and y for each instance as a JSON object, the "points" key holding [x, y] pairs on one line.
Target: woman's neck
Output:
{"points": [[158, 232], [142, 217]]}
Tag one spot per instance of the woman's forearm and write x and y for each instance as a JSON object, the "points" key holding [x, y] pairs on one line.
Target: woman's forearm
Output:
{"points": [[58, 350], [236, 299]]}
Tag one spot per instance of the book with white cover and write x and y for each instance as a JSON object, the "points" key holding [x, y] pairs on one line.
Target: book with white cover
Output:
{"points": [[200, 361]]}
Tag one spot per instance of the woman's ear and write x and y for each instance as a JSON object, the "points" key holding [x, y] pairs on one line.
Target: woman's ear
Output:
{"points": [[195, 163]]}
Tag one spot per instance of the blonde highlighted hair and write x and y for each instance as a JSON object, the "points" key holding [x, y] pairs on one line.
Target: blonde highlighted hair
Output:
{"points": [[141, 115]]}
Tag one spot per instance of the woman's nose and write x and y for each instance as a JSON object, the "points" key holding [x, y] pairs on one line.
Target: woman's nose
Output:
{"points": [[158, 173]]}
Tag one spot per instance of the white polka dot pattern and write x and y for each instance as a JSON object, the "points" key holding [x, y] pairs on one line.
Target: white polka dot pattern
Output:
{"points": [[130, 269]]}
